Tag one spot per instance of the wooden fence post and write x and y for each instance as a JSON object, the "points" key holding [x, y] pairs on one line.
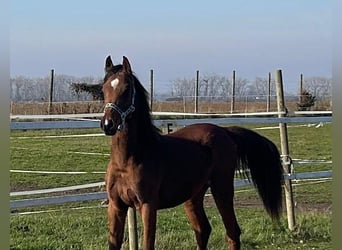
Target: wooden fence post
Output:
{"points": [[151, 89], [196, 91], [301, 88], [132, 229], [268, 98], [286, 161], [51, 91], [232, 101]]}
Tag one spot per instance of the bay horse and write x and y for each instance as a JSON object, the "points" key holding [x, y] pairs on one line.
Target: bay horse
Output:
{"points": [[149, 171]]}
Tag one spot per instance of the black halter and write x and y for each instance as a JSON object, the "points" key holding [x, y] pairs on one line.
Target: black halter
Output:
{"points": [[123, 114]]}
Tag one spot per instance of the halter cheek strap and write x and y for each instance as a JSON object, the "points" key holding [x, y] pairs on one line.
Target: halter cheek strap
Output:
{"points": [[123, 114]]}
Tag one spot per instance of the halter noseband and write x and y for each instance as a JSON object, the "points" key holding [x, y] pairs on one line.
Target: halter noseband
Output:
{"points": [[123, 114]]}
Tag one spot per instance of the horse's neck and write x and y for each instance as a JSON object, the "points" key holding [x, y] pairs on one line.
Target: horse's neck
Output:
{"points": [[133, 143], [122, 147], [127, 146]]}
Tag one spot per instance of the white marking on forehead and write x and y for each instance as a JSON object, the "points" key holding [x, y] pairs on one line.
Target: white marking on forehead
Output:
{"points": [[114, 83]]}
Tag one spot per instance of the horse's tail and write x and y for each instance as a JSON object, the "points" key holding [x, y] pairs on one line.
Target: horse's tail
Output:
{"points": [[261, 157]]}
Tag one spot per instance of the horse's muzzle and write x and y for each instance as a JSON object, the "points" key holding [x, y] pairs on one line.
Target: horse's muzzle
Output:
{"points": [[108, 126]]}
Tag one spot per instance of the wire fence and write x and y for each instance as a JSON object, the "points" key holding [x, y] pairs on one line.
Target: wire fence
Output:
{"points": [[206, 104]]}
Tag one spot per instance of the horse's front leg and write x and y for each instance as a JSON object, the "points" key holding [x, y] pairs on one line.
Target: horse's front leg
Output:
{"points": [[149, 220], [116, 222]]}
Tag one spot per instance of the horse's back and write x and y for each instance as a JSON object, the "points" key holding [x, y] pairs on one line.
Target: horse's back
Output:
{"points": [[203, 133], [223, 150]]}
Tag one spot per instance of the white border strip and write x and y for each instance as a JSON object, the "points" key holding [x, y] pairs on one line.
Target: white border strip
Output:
{"points": [[309, 125], [53, 210], [57, 136], [60, 189], [64, 116], [309, 175], [57, 200], [299, 161], [156, 113], [172, 122], [103, 195], [88, 153], [54, 172], [98, 115], [311, 182]]}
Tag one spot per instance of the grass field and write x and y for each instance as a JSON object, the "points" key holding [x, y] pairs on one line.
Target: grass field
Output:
{"points": [[65, 228]]}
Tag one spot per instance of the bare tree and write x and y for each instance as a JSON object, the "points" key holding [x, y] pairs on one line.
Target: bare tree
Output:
{"points": [[37, 88], [319, 86], [241, 87], [259, 87], [211, 85], [17, 84], [214, 86], [183, 87], [42, 91]]}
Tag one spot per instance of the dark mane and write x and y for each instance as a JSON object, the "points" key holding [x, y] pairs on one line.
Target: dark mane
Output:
{"points": [[143, 105]]}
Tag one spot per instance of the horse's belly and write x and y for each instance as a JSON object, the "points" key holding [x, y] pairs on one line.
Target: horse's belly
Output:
{"points": [[177, 193]]}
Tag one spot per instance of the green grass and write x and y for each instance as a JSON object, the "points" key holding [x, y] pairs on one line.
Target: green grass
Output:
{"points": [[87, 228], [57, 154]]}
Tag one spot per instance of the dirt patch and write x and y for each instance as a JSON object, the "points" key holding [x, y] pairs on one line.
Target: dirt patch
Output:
{"points": [[322, 207], [23, 187]]}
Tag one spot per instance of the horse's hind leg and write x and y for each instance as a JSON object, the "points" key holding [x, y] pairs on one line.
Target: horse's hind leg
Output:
{"points": [[198, 219], [223, 195]]}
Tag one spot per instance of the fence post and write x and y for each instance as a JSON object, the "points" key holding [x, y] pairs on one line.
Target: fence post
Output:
{"points": [[268, 100], [151, 89], [132, 229], [301, 88], [286, 161], [232, 101], [196, 91], [51, 91]]}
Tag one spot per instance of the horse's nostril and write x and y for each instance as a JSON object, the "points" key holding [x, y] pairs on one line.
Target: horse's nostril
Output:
{"points": [[107, 124]]}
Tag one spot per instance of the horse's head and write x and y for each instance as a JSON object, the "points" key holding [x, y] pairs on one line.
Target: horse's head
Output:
{"points": [[119, 96]]}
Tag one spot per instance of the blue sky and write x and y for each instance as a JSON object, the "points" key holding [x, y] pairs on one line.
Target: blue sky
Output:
{"points": [[175, 38]]}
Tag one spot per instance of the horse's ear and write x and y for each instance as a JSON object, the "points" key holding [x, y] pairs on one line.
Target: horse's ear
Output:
{"points": [[109, 64], [126, 65]]}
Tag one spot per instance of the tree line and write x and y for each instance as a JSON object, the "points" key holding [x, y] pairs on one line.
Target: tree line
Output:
{"points": [[214, 86], [37, 89]]}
